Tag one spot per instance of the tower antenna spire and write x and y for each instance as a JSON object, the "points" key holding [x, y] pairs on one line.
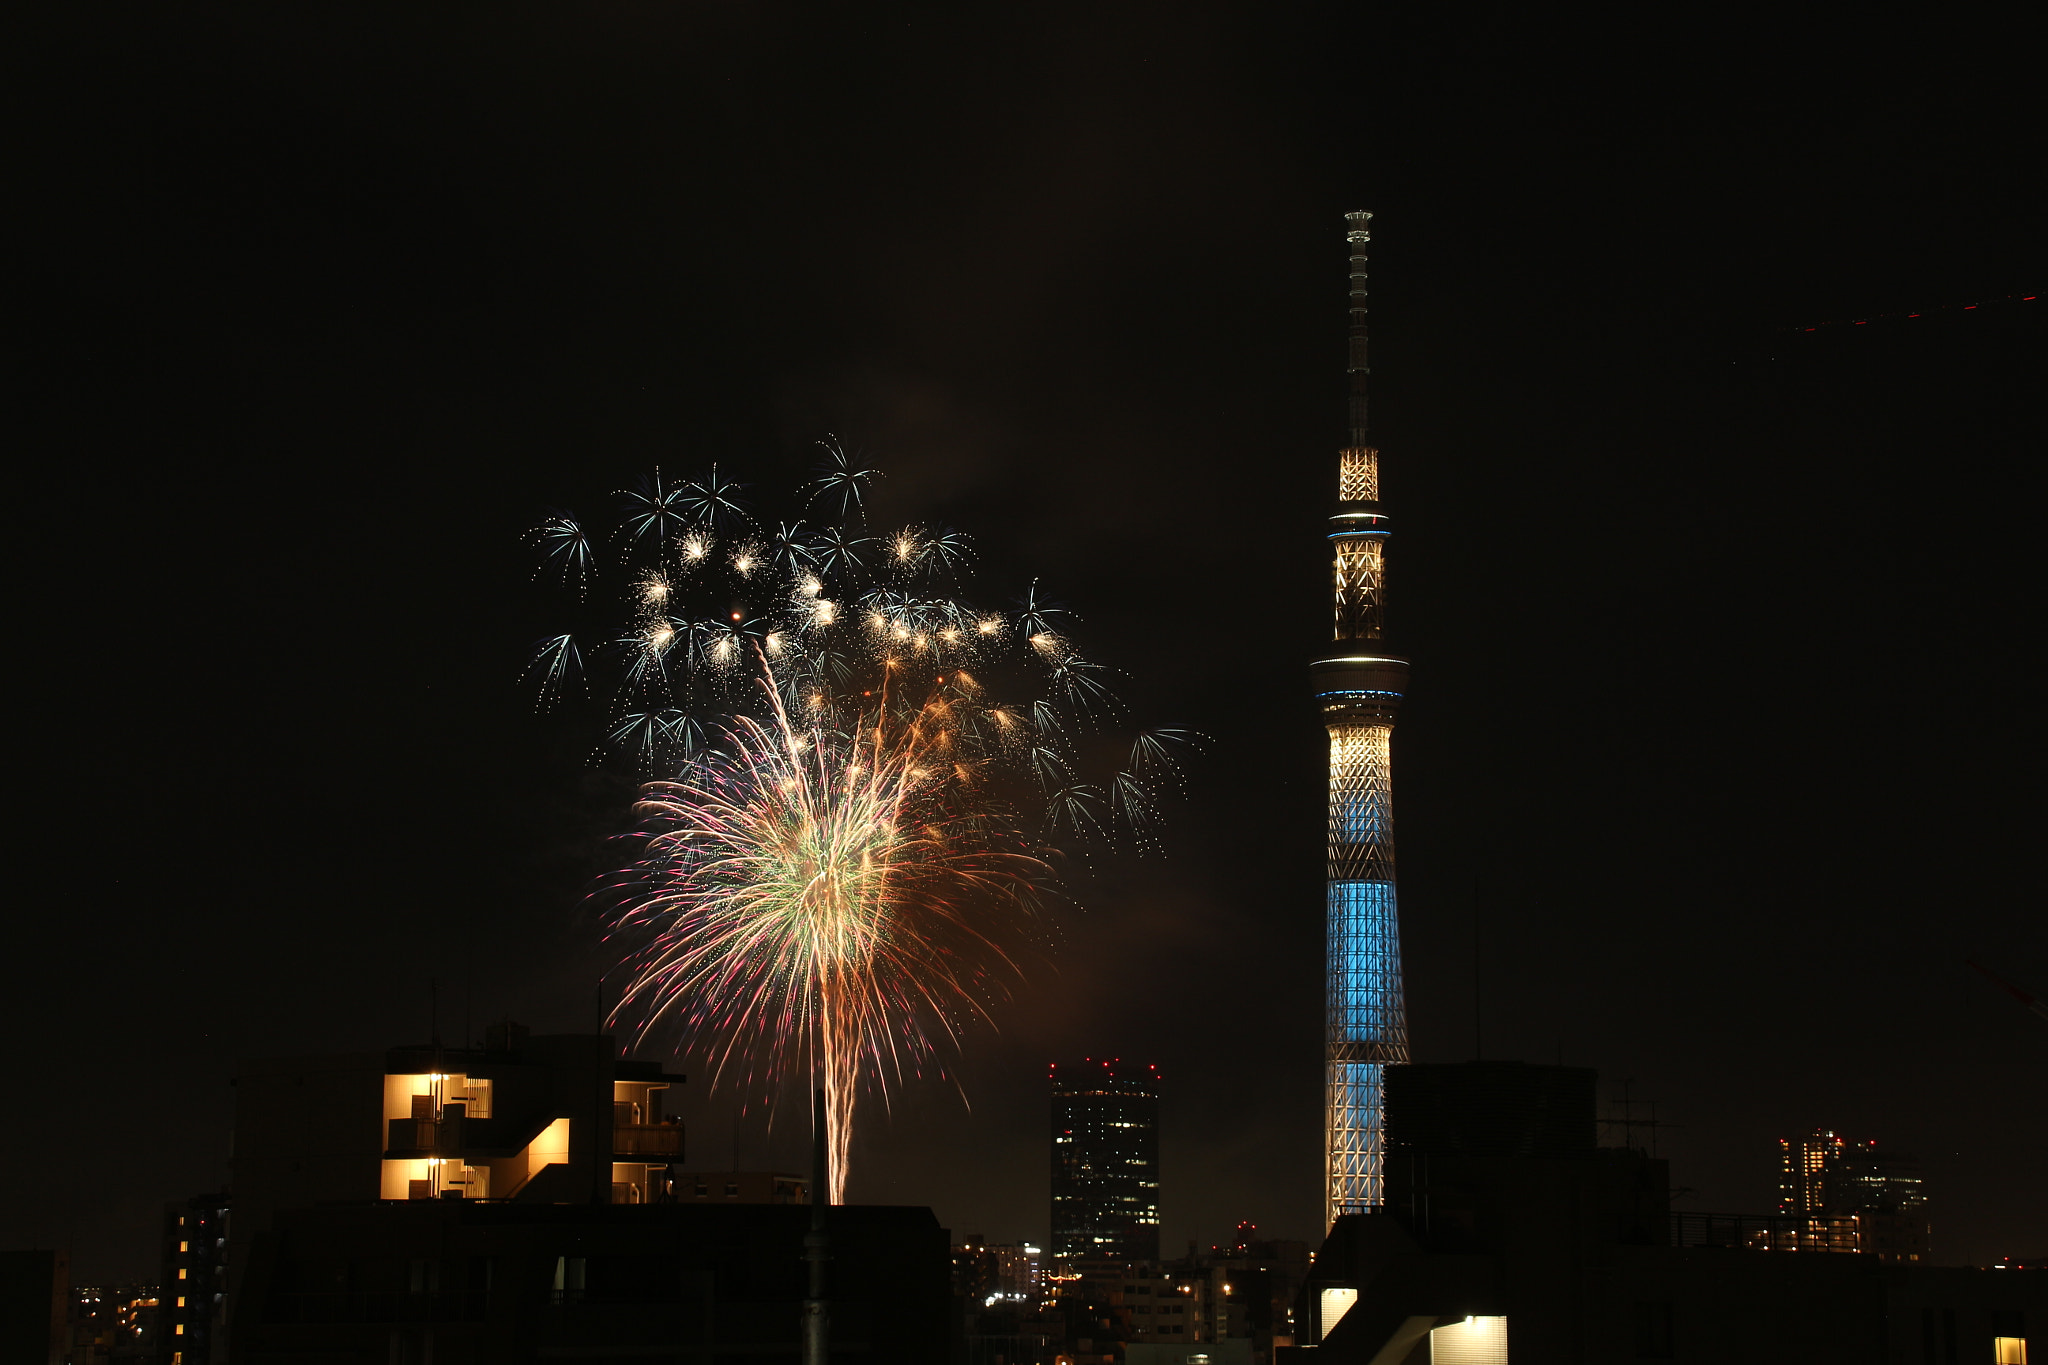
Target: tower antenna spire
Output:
{"points": [[1358, 365], [1358, 686]]}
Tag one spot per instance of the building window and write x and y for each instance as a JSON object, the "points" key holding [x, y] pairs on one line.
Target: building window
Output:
{"points": [[2009, 1350]]}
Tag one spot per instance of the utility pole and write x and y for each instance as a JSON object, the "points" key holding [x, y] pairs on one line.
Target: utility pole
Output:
{"points": [[817, 1322]]}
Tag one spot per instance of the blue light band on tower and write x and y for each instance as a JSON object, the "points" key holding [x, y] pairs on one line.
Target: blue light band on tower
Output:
{"points": [[1358, 686]]}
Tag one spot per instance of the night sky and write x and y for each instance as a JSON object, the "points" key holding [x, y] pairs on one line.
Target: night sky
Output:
{"points": [[1724, 742]]}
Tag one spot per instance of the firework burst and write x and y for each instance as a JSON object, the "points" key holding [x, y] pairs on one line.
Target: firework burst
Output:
{"points": [[816, 896], [837, 852]]}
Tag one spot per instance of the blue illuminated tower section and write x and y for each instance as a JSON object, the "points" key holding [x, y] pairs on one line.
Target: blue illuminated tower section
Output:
{"points": [[1358, 685]]}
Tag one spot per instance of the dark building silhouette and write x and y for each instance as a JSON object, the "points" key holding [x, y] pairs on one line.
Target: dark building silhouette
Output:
{"points": [[1508, 1234], [478, 1283], [1881, 1192], [1105, 1164], [35, 1302]]}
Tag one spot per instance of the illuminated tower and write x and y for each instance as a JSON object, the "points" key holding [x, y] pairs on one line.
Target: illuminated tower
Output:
{"points": [[1358, 685]]}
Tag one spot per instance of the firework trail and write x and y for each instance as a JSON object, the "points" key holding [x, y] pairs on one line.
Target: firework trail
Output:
{"points": [[835, 863]]}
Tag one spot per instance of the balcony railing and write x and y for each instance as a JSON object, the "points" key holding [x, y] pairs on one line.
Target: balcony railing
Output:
{"points": [[647, 1139], [424, 1135]]}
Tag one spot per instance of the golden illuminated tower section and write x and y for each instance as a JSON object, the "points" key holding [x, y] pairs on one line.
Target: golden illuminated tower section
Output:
{"points": [[1358, 685]]}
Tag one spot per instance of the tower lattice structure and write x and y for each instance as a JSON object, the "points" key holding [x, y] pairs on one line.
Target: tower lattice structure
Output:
{"points": [[1358, 685]]}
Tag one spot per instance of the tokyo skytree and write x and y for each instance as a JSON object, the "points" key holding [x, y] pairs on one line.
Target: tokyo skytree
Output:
{"points": [[1358, 686]]}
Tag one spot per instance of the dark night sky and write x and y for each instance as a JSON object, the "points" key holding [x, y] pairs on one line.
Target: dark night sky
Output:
{"points": [[1725, 729]]}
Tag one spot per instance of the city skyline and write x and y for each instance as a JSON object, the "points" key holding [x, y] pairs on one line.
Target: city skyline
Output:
{"points": [[320, 313]]}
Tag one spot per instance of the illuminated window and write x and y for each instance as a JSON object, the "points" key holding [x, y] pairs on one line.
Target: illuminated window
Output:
{"points": [[179, 1329], [2009, 1351], [1336, 1302], [181, 1272], [184, 1247], [1475, 1341]]}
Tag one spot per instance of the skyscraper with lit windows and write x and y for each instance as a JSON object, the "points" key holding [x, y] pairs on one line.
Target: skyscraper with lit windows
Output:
{"points": [[1358, 686], [1105, 1162]]}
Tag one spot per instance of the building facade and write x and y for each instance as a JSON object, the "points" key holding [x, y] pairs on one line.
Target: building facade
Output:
{"points": [[1358, 687], [1105, 1163], [484, 1282], [738, 1187], [559, 1119], [192, 1296]]}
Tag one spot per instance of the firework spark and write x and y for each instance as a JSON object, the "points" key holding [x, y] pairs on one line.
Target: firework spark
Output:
{"points": [[834, 865]]}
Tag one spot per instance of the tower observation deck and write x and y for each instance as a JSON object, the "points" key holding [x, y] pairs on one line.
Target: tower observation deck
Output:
{"points": [[1358, 685]]}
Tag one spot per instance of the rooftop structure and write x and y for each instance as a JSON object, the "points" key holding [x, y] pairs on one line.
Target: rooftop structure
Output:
{"points": [[559, 1119]]}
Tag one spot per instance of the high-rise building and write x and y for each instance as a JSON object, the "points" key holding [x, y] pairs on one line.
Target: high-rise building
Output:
{"points": [[1105, 1163], [1879, 1189], [1358, 685], [192, 1296], [1854, 1196], [1803, 1165]]}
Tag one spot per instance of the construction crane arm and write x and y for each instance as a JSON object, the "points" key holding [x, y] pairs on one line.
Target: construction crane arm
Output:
{"points": [[2031, 1001]]}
